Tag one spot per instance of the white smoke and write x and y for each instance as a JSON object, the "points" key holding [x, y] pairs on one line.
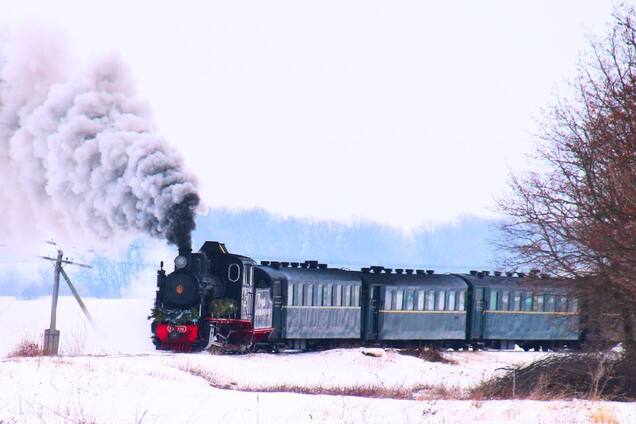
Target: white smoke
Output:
{"points": [[79, 156]]}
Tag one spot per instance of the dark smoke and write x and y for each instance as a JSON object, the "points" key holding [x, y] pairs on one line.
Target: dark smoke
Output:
{"points": [[80, 159], [180, 222]]}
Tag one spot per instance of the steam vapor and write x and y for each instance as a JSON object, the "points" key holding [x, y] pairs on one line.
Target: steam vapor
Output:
{"points": [[79, 155]]}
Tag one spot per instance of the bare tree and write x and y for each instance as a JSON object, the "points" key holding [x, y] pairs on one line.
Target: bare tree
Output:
{"points": [[576, 216]]}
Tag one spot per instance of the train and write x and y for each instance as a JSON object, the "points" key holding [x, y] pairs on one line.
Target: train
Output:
{"points": [[225, 302]]}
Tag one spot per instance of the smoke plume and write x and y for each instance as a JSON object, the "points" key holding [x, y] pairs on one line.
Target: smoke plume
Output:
{"points": [[79, 155]]}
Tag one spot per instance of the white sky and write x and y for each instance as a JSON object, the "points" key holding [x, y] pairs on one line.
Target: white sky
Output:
{"points": [[400, 112]]}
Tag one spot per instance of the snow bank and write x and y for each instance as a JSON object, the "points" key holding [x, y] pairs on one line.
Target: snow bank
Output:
{"points": [[124, 381], [143, 390], [121, 324]]}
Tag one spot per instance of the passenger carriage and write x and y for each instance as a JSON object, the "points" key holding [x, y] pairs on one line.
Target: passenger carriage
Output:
{"points": [[530, 312]]}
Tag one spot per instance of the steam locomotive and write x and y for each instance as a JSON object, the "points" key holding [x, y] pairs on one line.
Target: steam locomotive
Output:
{"points": [[218, 300]]}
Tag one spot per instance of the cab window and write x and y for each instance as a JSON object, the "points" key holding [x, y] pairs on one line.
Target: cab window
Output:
{"points": [[233, 272], [248, 275]]}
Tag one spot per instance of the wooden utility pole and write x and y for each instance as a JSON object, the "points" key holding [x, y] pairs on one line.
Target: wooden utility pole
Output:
{"points": [[52, 334]]}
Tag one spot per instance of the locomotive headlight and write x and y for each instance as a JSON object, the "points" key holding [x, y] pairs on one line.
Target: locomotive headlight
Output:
{"points": [[180, 262]]}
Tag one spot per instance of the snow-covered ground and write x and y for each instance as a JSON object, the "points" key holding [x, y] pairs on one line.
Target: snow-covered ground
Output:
{"points": [[124, 381], [121, 325]]}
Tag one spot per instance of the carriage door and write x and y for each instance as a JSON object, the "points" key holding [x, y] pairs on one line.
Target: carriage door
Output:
{"points": [[478, 314], [373, 317], [277, 317]]}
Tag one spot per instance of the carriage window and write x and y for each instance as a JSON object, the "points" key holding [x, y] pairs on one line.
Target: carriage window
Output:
{"points": [[505, 300], [318, 295], [573, 305], [441, 300], [550, 303], [430, 300], [493, 300], [346, 296], [326, 295], [562, 304], [451, 300], [298, 294], [516, 301], [461, 301], [337, 296], [420, 300], [527, 301], [309, 294], [410, 300], [290, 294], [356, 296], [388, 299], [537, 305], [399, 299]]}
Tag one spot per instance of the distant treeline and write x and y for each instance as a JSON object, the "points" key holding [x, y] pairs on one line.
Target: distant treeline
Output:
{"points": [[457, 247]]}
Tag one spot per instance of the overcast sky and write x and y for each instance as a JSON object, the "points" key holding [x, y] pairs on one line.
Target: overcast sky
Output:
{"points": [[399, 112]]}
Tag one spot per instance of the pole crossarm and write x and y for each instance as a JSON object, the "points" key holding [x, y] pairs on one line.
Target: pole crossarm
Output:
{"points": [[65, 262]]}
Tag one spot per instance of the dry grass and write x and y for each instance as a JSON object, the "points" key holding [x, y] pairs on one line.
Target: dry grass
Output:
{"points": [[602, 415], [27, 347], [366, 391], [592, 376], [427, 354]]}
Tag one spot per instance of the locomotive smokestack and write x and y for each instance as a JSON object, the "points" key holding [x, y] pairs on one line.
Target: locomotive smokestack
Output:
{"points": [[183, 251], [180, 222]]}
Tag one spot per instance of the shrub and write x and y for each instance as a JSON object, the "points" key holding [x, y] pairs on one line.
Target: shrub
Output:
{"points": [[583, 375], [26, 348], [427, 354]]}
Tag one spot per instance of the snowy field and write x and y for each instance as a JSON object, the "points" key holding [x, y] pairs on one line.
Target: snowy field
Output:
{"points": [[112, 375]]}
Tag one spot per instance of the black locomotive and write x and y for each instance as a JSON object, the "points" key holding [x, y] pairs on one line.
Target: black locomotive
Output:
{"points": [[215, 299]]}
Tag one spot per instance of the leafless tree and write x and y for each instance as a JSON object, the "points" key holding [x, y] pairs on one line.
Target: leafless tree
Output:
{"points": [[575, 216]]}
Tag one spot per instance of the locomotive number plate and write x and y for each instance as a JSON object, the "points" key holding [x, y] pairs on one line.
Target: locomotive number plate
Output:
{"points": [[177, 328]]}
